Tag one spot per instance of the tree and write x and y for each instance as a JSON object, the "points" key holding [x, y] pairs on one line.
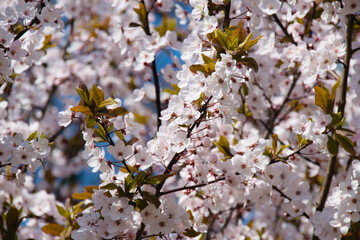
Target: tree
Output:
{"points": [[211, 119]]}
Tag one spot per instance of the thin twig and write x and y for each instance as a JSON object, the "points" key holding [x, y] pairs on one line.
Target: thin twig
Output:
{"points": [[32, 22], [278, 111], [178, 155], [191, 187], [285, 31]]}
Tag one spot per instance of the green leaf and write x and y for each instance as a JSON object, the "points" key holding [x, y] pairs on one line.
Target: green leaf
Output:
{"points": [[108, 101], [321, 98], [120, 135], [53, 229], [109, 186], [110, 127], [221, 38], [274, 142], [191, 233], [140, 203], [119, 111], [207, 59], [158, 179], [332, 146], [82, 109], [141, 11], [251, 43], [174, 91], [134, 24], [224, 147], [12, 222], [301, 141], [333, 89], [62, 211], [97, 95], [335, 118], [129, 183], [198, 68], [87, 194], [282, 148], [132, 141], [142, 119], [77, 207], [167, 24], [90, 122], [100, 133], [345, 132], [84, 96], [82, 196], [243, 44], [247, 61], [151, 198], [66, 232], [32, 136], [345, 143]]}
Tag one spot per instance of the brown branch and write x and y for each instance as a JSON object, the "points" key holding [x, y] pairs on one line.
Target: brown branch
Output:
{"points": [[155, 74], [341, 109], [32, 22], [285, 31], [271, 123], [191, 187], [177, 155]]}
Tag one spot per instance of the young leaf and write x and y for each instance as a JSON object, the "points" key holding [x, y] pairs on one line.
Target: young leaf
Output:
{"points": [[97, 95], [90, 122], [333, 89], [345, 143], [224, 147], [32, 136], [301, 141], [82, 109], [109, 186], [120, 135], [251, 43], [158, 179], [12, 222], [132, 141], [53, 229], [345, 132], [151, 198], [221, 38], [119, 111], [207, 59], [321, 98], [140, 203], [62, 211], [274, 142], [332, 146], [191, 233], [282, 148], [84, 96], [82, 196], [77, 207], [108, 101], [167, 24]]}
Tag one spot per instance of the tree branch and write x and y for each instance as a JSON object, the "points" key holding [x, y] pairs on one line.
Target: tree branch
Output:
{"points": [[32, 22], [277, 112], [177, 155], [285, 31], [191, 187], [341, 109], [154, 71]]}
